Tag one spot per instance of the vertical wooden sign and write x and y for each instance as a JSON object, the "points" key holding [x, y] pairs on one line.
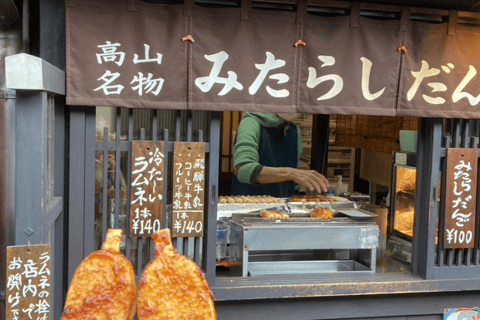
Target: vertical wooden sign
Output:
{"points": [[188, 189], [146, 192], [460, 198], [28, 282]]}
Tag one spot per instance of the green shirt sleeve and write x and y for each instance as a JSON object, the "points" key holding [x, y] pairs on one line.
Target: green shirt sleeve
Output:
{"points": [[245, 152]]}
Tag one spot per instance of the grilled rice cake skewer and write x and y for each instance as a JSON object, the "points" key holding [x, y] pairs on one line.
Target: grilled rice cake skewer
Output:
{"points": [[103, 286], [172, 287]]}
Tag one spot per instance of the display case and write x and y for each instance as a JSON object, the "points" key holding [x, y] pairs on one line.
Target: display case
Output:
{"points": [[402, 206]]}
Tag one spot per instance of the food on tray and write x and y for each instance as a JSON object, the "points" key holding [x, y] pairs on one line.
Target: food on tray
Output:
{"points": [[274, 215], [321, 213], [311, 199], [172, 287], [103, 286], [248, 199]]}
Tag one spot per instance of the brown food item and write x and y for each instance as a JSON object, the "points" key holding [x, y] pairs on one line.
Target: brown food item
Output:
{"points": [[172, 287], [249, 199], [321, 213], [103, 286], [274, 215], [311, 199]]}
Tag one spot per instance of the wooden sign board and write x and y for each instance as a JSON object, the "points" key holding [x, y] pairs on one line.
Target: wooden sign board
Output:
{"points": [[460, 198], [28, 282], [188, 189], [146, 189]]}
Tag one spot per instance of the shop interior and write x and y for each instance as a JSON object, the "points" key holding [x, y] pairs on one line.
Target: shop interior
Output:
{"points": [[371, 169]]}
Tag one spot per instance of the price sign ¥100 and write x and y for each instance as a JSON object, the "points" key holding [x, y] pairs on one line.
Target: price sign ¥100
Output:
{"points": [[460, 198]]}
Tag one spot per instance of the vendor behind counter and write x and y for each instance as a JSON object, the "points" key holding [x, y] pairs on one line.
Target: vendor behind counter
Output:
{"points": [[266, 154]]}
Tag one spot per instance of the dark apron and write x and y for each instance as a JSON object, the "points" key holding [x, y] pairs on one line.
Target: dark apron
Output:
{"points": [[275, 150]]}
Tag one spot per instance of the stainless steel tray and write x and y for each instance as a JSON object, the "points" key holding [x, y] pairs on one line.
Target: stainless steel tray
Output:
{"points": [[358, 214]]}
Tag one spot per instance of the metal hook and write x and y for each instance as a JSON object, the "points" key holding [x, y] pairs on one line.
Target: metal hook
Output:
{"points": [[300, 43], [188, 38], [403, 48]]}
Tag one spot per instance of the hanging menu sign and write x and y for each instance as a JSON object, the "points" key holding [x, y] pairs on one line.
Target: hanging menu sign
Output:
{"points": [[146, 192], [460, 199], [188, 189], [28, 282]]}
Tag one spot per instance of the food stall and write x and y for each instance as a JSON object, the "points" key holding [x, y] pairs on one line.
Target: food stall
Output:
{"points": [[179, 60]]}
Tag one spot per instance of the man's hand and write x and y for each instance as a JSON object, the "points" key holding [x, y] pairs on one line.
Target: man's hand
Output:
{"points": [[310, 179]]}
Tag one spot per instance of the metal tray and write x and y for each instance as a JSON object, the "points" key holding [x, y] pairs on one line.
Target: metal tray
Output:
{"points": [[226, 210], [358, 214]]}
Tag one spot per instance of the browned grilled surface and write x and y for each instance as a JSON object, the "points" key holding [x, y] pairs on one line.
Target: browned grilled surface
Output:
{"points": [[172, 287], [103, 286]]}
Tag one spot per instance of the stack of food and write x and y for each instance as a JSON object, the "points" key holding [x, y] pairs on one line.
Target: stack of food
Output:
{"points": [[248, 199], [274, 215], [321, 213], [311, 199]]}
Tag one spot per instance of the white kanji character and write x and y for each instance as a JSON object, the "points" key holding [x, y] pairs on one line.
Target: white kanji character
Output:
{"points": [[138, 181], [152, 197], [198, 176], [177, 204], [135, 225], [450, 235], [458, 94], [110, 53], [29, 311], [157, 157], [30, 269], [206, 83], [463, 165], [154, 173], [42, 307], [188, 195], [146, 213], [14, 282], [461, 218], [187, 205], [188, 183], [14, 300], [197, 188], [29, 288], [15, 264], [140, 162], [313, 81], [177, 225], [148, 84], [108, 89], [366, 69], [199, 163], [177, 195], [43, 283], [44, 256], [455, 191], [184, 215], [140, 193], [270, 64], [197, 202], [147, 56], [15, 314], [456, 202], [179, 172], [425, 72]]}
